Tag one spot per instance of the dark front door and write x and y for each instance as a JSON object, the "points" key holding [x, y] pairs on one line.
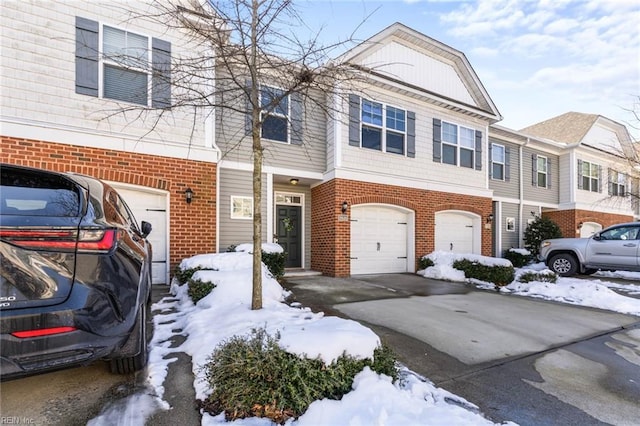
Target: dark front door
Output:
{"points": [[289, 222]]}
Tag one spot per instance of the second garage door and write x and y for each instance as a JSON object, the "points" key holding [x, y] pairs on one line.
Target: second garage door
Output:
{"points": [[457, 232], [378, 239]]}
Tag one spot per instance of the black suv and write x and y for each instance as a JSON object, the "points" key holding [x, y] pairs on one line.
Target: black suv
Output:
{"points": [[75, 274]]}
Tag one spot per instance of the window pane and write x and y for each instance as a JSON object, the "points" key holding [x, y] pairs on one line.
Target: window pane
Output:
{"points": [[449, 154], [371, 138], [542, 180], [125, 48], [274, 128], [497, 153], [449, 133], [467, 137], [594, 185], [372, 113], [466, 158], [586, 182], [497, 171], [542, 164], [268, 95], [395, 143], [395, 119], [125, 85]]}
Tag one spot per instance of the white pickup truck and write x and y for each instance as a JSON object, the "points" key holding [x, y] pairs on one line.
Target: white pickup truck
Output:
{"points": [[616, 248]]}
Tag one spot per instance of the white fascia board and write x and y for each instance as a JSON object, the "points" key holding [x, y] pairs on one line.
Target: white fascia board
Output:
{"points": [[248, 167]]}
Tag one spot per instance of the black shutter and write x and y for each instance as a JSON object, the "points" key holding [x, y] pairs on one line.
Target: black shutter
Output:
{"points": [[610, 181], [354, 120], [600, 185], [580, 174], [507, 163], [161, 77], [548, 172], [296, 118], [411, 134], [87, 56], [534, 169], [478, 150], [490, 160], [437, 140]]}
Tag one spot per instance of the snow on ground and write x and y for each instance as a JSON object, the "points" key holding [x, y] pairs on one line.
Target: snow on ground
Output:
{"points": [[226, 312], [575, 291]]}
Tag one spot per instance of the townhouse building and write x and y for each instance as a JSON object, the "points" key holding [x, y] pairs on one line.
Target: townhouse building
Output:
{"points": [[410, 159]]}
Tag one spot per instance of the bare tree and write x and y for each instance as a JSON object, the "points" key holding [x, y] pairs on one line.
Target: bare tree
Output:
{"points": [[242, 47]]}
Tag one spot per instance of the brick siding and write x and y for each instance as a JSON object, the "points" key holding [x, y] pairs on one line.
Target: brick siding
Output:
{"points": [[331, 238], [192, 226]]}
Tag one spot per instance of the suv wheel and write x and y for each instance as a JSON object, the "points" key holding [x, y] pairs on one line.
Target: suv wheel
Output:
{"points": [[137, 362], [564, 264]]}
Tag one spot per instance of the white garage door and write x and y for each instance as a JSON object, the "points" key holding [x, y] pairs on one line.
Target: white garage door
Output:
{"points": [[589, 228], [378, 240], [151, 207], [457, 232]]}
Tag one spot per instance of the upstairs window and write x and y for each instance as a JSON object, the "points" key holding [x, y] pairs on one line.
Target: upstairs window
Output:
{"points": [[617, 183], [383, 127], [457, 145], [497, 162], [541, 172], [126, 72], [116, 64], [588, 176]]}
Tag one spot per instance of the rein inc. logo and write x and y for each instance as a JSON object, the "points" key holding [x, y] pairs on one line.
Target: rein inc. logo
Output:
{"points": [[16, 420]]}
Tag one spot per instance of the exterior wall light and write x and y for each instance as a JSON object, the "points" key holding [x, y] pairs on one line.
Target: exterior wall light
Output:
{"points": [[490, 218], [345, 206], [294, 181], [188, 195]]}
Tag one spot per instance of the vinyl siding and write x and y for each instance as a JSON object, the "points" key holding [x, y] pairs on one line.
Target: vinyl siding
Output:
{"points": [[507, 188], [236, 146], [38, 74], [237, 231], [534, 193], [422, 167]]}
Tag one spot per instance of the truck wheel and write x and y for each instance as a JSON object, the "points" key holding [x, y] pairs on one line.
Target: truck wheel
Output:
{"points": [[589, 271], [564, 264]]}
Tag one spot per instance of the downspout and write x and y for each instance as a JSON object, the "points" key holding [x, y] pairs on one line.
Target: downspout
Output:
{"points": [[521, 192]]}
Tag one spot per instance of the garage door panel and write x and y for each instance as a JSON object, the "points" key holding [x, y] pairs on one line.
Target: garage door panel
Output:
{"points": [[378, 240], [454, 232], [150, 207]]}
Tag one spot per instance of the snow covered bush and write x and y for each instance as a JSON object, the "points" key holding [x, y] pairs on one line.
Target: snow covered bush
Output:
{"points": [[425, 262], [252, 376], [273, 257], [540, 229], [545, 276], [496, 274], [518, 257]]}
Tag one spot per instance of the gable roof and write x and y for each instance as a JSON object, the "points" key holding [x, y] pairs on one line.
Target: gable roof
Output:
{"points": [[410, 71], [570, 127]]}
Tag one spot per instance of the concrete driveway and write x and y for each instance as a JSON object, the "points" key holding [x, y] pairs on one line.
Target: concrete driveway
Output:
{"points": [[520, 359]]}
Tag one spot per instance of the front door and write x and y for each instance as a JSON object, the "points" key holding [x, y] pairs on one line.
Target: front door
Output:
{"points": [[289, 227]]}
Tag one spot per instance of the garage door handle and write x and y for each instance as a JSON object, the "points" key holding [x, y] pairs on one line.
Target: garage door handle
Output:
{"points": [[353, 258], [402, 257], [378, 246]]}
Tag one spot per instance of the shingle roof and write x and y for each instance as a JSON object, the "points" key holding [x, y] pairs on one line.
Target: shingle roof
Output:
{"points": [[569, 127]]}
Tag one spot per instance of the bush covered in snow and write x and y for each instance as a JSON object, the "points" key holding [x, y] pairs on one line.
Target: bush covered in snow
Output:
{"points": [[518, 257], [252, 376], [545, 276], [496, 274], [540, 229]]}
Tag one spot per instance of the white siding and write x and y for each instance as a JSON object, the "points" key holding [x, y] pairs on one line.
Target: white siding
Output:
{"points": [[416, 68], [603, 138], [38, 83]]}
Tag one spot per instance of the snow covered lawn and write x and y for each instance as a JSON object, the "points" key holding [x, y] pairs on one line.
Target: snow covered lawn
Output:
{"points": [[576, 291], [226, 312]]}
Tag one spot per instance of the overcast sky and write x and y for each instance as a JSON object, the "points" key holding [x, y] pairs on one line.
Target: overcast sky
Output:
{"points": [[536, 58]]}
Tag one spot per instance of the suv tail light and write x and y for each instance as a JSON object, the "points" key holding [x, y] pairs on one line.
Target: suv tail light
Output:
{"points": [[87, 240]]}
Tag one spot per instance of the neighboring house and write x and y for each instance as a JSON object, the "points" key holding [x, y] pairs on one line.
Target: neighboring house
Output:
{"points": [[597, 184], [72, 102], [524, 176], [406, 169]]}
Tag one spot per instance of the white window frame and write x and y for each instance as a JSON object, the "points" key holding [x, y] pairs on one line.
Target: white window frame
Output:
{"points": [[458, 144], [593, 167], [542, 160], [384, 130], [273, 113], [503, 163], [510, 224], [246, 206], [106, 61]]}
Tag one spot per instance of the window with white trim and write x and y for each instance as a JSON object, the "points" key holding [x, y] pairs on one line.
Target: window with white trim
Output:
{"points": [[497, 162], [542, 171], [590, 176], [274, 114], [384, 127], [126, 66], [241, 207], [510, 224], [458, 145]]}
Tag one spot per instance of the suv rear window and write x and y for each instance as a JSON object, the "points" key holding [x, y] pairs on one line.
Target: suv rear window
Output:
{"points": [[32, 193]]}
